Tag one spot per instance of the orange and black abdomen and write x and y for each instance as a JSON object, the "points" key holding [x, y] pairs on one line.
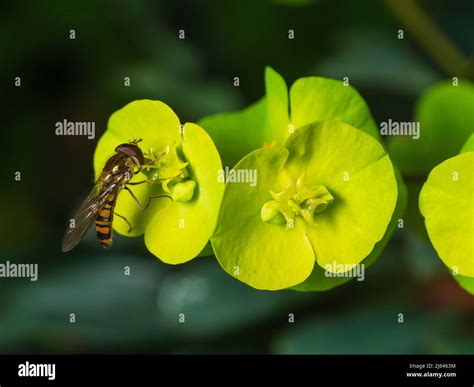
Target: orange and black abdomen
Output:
{"points": [[103, 222]]}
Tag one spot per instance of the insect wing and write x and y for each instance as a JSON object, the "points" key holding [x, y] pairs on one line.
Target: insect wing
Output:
{"points": [[85, 215]]}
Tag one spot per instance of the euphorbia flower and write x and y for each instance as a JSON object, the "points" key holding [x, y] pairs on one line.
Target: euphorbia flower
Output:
{"points": [[185, 167], [324, 198], [447, 203], [280, 256]]}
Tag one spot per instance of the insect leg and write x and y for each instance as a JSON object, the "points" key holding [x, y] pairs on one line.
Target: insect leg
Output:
{"points": [[153, 180], [126, 220], [134, 197], [156, 197], [142, 182], [149, 199]]}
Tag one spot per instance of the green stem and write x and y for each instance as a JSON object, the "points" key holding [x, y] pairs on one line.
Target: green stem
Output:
{"points": [[430, 38]]}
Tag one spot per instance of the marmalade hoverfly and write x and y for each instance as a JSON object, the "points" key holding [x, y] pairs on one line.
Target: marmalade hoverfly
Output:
{"points": [[99, 205]]}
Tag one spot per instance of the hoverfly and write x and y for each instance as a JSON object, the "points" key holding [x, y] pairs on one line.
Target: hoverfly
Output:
{"points": [[99, 205]]}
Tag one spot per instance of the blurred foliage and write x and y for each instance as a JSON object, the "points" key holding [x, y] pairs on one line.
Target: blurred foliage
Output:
{"points": [[446, 116], [293, 3], [83, 80], [401, 329], [378, 62]]}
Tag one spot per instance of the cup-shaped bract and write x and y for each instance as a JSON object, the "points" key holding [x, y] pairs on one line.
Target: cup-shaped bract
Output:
{"points": [[336, 191], [447, 204], [183, 164], [274, 118]]}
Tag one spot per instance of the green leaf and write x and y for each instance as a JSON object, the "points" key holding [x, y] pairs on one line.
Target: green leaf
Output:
{"points": [[268, 120], [207, 250], [355, 170], [467, 283], [446, 115], [175, 231], [318, 99], [237, 134], [277, 114], [469, 145], [446, 202], [319, 281]]}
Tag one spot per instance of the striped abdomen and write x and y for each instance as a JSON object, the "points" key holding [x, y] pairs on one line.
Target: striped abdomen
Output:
{"points": [[103, 222]]}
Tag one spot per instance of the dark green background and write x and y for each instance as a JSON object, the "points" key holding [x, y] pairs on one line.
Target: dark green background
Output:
{"points": [[82, 80]]}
